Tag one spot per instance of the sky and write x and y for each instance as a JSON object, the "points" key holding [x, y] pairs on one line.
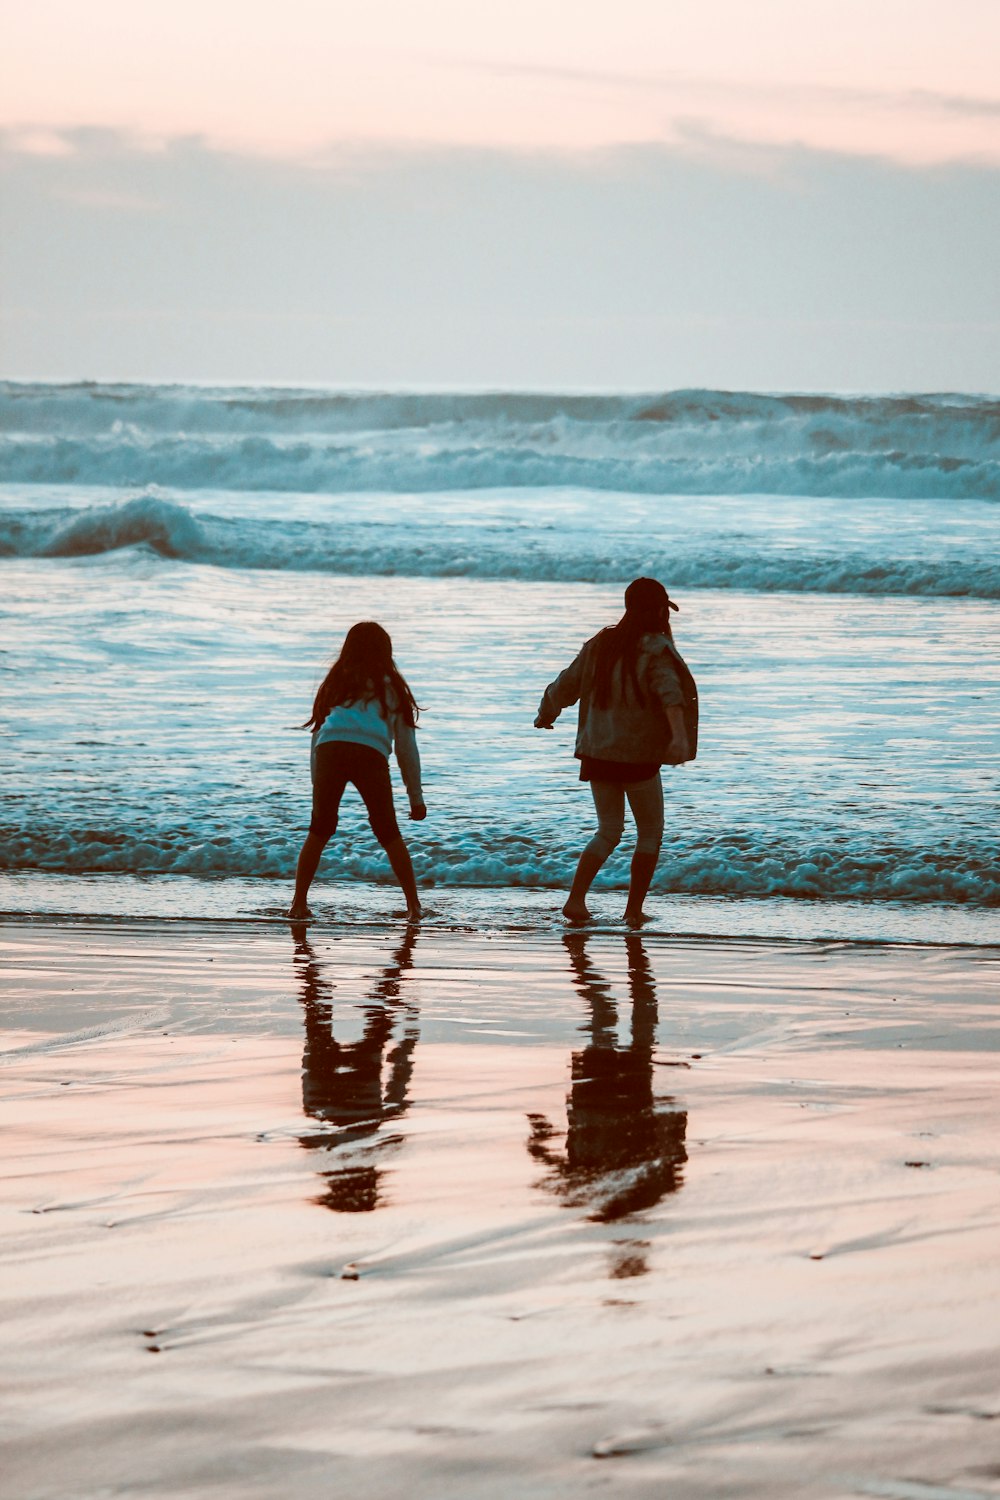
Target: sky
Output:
{"points": [[640, 194]]}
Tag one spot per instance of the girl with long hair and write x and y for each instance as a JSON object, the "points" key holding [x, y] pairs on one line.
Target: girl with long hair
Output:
{"points": [[362, 710], [638, 712]]}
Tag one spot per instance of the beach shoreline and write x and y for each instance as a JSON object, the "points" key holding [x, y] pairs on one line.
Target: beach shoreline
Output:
{"points": [[237, 1262], [33, 895]]}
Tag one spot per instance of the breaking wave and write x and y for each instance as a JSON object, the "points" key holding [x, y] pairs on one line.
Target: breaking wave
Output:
{"points": [[684, 442], [748, 867], [391, 548]]}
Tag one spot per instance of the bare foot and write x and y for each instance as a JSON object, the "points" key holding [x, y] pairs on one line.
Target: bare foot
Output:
{"points": [[636, 918], [575, 911], [414, 913], [298, 912]]}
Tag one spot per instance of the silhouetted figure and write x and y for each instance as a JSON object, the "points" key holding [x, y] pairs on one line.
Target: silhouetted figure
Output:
{"points": [[351, 1089], [638, 712], [624, 1146], [363, 709]]}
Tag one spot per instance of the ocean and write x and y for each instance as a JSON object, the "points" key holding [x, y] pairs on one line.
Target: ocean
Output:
{"points": [[178, 566]]}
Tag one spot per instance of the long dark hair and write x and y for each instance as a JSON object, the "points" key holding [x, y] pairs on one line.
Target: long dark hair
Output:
{"points": [[647, 608], [365, 671]]}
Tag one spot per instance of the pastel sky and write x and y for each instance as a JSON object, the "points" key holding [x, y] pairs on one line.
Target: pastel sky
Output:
{"points": [[674, 134]]}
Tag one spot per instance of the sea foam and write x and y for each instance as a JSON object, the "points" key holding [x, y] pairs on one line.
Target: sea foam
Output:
{"points": [[740, 866], [543, 554], [684, 442]]}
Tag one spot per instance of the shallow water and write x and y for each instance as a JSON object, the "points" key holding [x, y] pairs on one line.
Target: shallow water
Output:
{"points": [[341, 907], [844, 753], [159, 645]]}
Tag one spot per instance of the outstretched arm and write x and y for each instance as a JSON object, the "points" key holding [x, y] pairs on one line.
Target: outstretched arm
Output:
{"points": [[561, 693]]}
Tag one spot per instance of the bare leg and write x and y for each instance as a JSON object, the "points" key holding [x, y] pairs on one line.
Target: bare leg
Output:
{"points": [[402, 868], [590, 862], [309, 858], [609, 804], [646, 801], [643, 868]]}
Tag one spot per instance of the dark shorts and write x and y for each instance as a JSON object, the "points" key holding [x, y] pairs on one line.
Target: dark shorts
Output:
{"points": [[620, 771], [339, 763]]}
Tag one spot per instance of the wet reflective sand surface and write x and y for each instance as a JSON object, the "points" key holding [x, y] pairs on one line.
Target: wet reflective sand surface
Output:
{"points": [[322, 1213]]}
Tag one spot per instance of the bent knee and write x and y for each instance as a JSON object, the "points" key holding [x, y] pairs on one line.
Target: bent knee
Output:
{"points": [[610, 834], [649, 843]]}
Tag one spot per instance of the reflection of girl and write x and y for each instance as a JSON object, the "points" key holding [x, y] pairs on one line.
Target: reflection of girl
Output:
{"points": [[638, 711], [363, 708], [624, 1147], [352, 1088]]}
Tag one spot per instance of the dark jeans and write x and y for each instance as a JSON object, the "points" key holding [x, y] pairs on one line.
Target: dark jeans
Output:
{"points": [[341, 762]]}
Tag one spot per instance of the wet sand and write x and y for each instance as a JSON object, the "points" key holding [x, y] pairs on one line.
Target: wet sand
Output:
{"points": [[490, 1214]]}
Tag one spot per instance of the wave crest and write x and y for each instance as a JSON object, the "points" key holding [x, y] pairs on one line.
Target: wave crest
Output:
{"points": [[532, 554], [682, 442], [145, 520]]}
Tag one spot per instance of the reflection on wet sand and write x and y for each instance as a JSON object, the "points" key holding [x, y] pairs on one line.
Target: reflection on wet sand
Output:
{"points": [[624, 1145], [352, 1088]]}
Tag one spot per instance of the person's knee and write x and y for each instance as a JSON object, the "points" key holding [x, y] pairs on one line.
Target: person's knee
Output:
{"points": [[387, 834], [648, 843], [322, 832], [609, 833]]}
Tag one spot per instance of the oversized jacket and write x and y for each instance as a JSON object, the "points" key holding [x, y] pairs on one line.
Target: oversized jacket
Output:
{"points": [[628, 730]]}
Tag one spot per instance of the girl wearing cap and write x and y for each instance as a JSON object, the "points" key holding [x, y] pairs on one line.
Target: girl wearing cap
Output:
{"points": [[638, 711]]}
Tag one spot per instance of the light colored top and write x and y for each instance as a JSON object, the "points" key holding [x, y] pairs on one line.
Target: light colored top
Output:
{"points": [[364, 723]]}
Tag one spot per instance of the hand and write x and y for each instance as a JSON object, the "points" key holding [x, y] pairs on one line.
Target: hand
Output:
{"points": [[418, 812], [679, 750], [541, 724]]}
